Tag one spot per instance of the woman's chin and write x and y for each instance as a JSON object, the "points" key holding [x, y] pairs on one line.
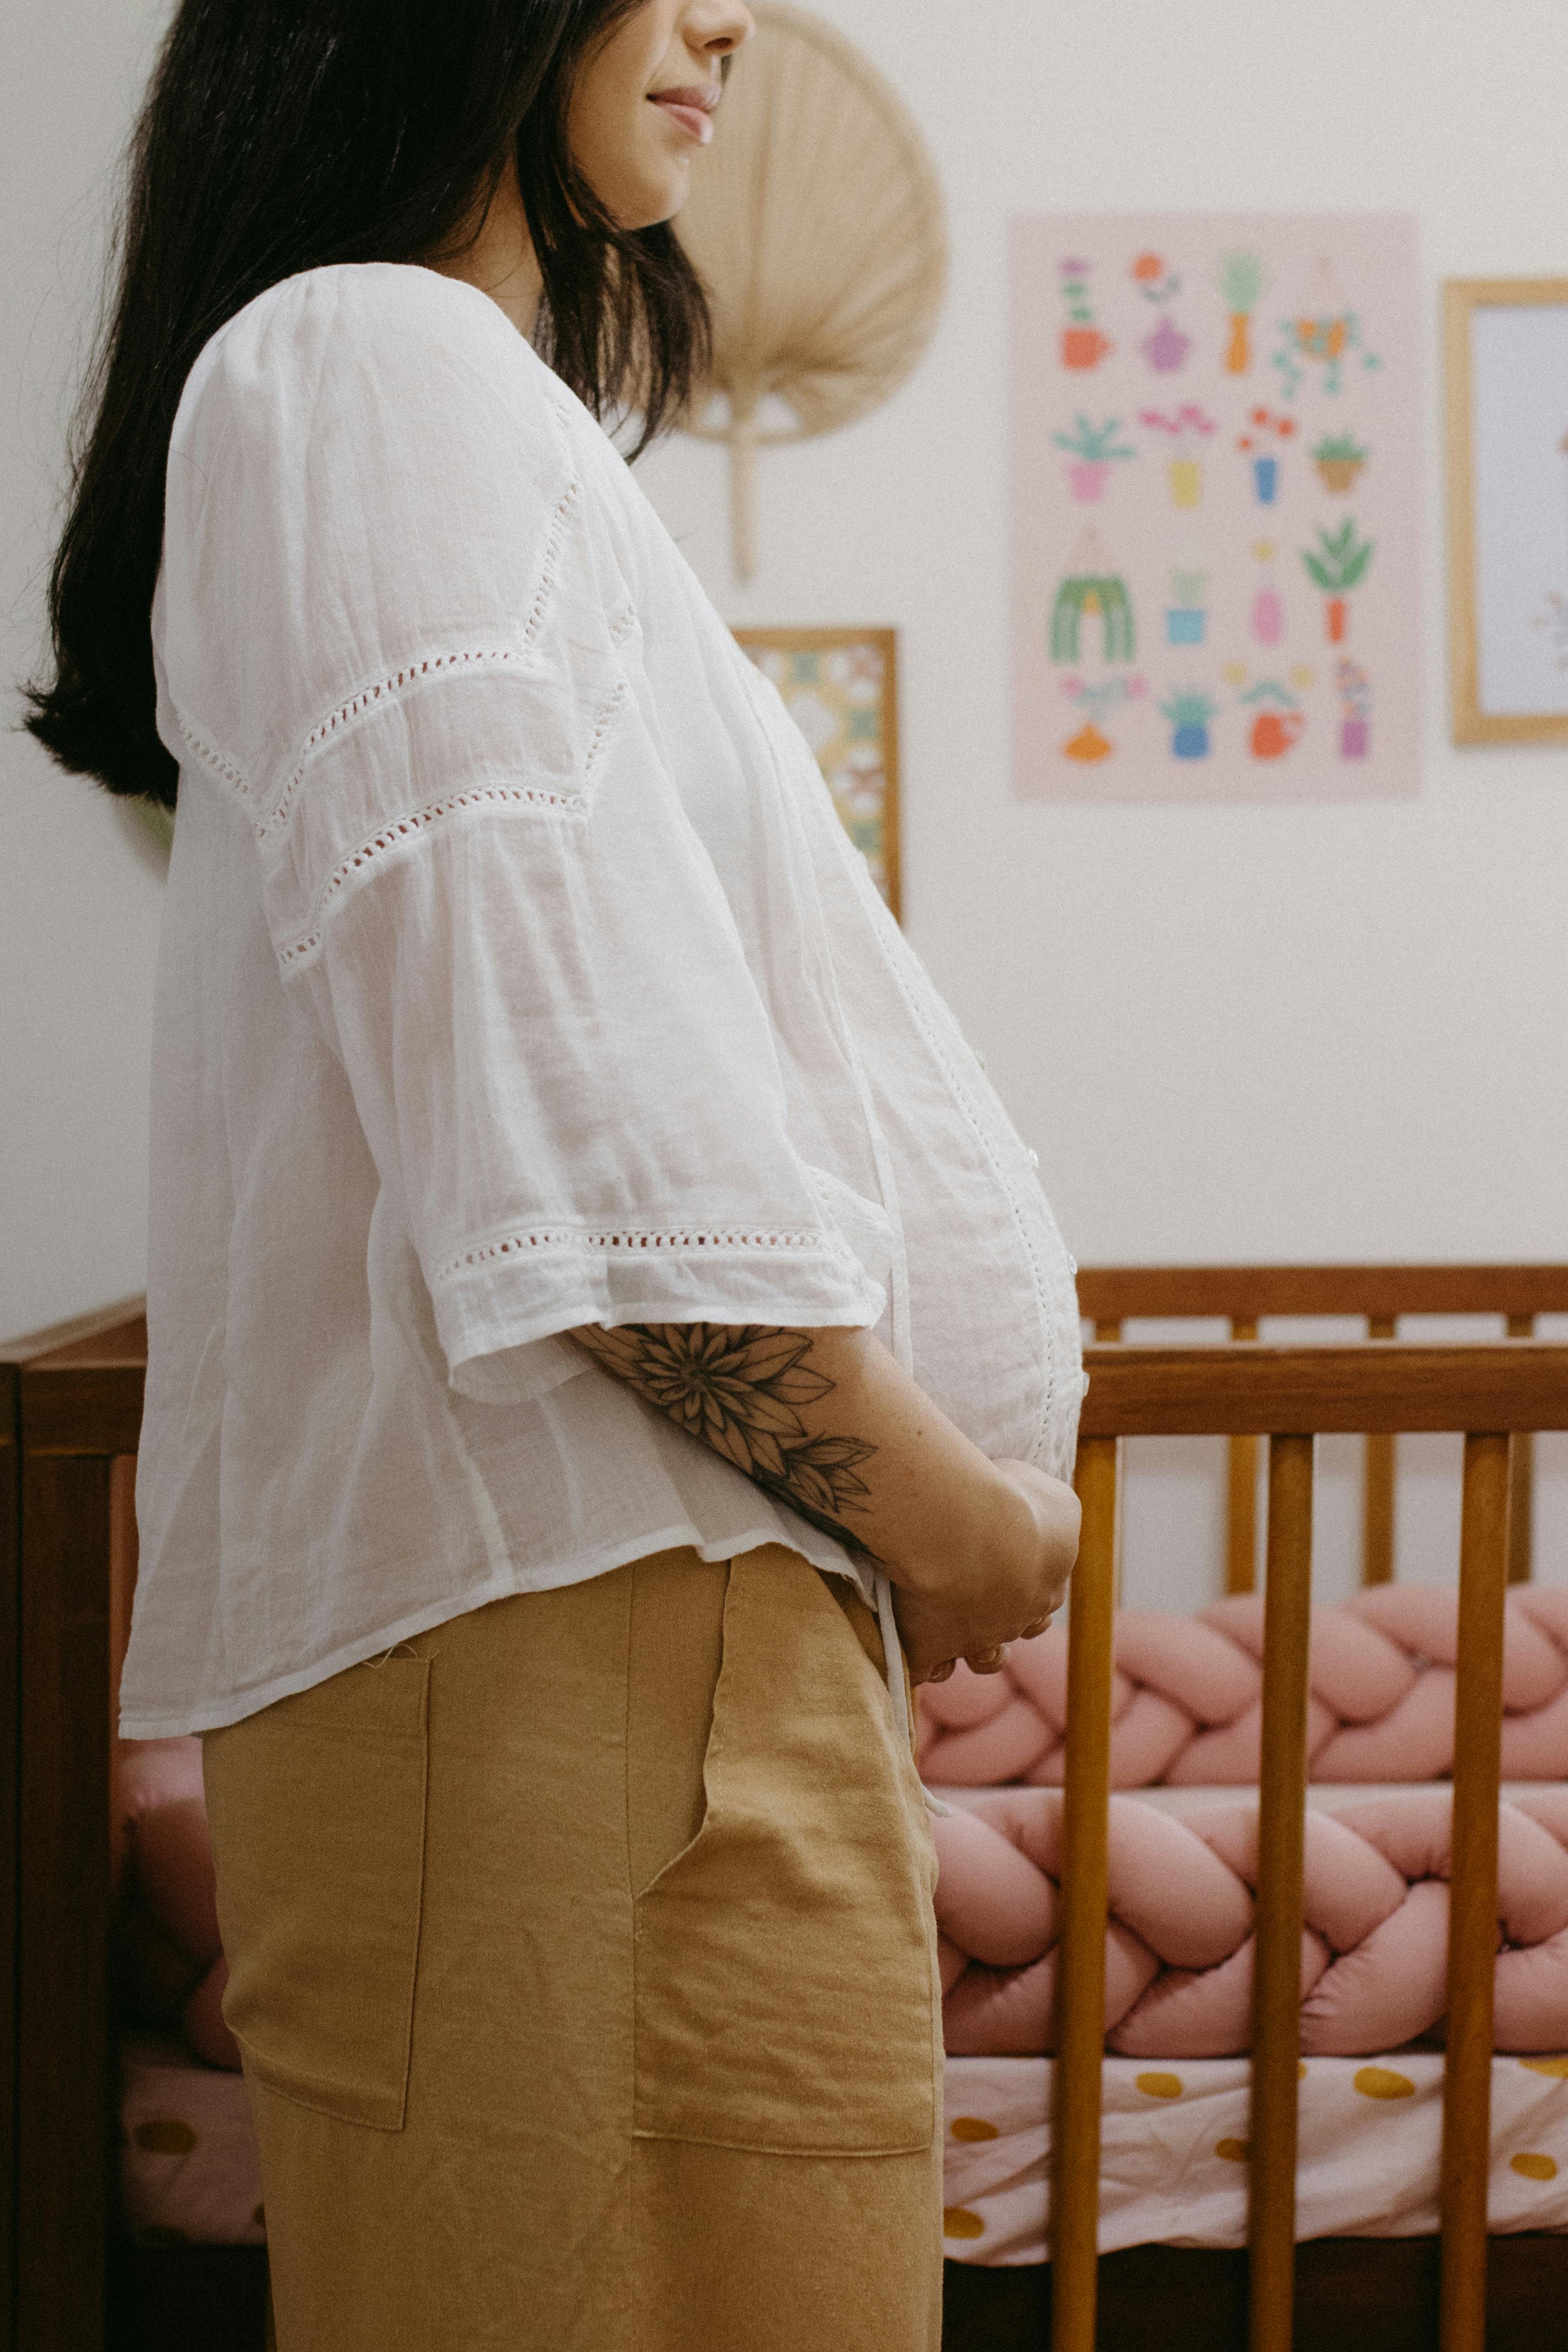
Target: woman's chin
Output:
{"points": [[659, 193]]}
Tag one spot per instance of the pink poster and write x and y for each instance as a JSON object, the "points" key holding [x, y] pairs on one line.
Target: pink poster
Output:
{"points": [[1217, 522]]}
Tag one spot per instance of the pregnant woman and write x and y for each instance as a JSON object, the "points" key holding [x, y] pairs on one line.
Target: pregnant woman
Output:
{"points": [[599, 1312]]}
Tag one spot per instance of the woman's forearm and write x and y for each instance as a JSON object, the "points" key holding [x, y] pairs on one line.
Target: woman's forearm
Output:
{"points": [[826, 1421]]}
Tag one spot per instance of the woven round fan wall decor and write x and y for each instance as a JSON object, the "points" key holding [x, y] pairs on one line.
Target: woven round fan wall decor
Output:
{"points": [[815, 219]]}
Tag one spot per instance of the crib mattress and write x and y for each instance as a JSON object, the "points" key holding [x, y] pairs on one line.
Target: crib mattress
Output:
{"points": [[1173, 2151], [1173, 2166], [189, 2166]]}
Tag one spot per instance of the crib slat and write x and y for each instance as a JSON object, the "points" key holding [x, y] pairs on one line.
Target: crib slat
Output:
{"points": [[1377, 1485], [1080, 1996], [1377, 1509], [1241, 1515], [1472, 1917], [1241, 1512], [1522, 1482], [1277, 1984]]}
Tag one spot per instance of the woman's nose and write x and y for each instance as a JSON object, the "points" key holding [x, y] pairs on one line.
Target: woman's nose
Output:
{"points": [[720, 27]]}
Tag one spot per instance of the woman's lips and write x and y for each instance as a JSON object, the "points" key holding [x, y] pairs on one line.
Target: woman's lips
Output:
{"points": [[694, 118]]}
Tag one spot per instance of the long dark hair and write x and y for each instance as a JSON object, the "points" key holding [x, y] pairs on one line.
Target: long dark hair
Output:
{"points": [[284, 135]]}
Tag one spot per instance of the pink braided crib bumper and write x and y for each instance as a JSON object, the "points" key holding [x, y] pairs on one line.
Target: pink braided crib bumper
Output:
{"points": [[1188, 1697], [1179, 1939]]}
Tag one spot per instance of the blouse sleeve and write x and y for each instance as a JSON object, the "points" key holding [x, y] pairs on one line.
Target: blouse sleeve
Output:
{"points": [[478, 875]]}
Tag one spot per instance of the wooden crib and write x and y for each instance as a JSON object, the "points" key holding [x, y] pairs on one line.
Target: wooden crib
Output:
{"points": [[1492, 1393], [70, 1407], [1242, 1297], [71, 1415]]}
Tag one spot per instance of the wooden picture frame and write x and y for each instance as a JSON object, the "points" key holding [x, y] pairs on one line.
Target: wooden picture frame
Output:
{"points": [[1493, 502], [847, 676]]}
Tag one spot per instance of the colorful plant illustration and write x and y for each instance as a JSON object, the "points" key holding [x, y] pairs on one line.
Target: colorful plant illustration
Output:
{"points": [[1242, 282], [1339, 458], [1154, 278], [1355, 709], [1185, 616], [1095, 702], [1091, 448], [1166, 348], [1189, 712], [1188, 427], [1263, 425], [1273, 729], [1338, 565], [1083, 345], [1268, 615], [1327, 340], [1084, 596]]}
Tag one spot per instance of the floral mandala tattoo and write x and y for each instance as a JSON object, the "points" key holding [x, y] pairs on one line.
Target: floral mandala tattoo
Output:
{"points": [[739, 1390]]}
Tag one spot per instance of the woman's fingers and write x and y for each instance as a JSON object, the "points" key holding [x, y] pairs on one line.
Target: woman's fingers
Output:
{"points": [[987, 1662]]}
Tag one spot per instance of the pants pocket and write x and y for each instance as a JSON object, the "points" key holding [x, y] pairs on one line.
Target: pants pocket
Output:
{"points": [[316, 1806], [785, 1966]]}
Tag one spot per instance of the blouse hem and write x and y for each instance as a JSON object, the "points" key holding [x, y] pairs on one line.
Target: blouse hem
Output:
{"points": [[219, 1713], [469, 1338]]}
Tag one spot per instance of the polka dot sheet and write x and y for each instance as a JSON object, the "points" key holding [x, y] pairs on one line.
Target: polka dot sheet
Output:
{"points": [[189, 2167], [1173, 2166], [1173, 2160]]}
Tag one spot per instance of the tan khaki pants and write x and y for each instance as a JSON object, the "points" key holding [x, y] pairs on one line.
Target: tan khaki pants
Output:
{"points": [[582, 1962]]}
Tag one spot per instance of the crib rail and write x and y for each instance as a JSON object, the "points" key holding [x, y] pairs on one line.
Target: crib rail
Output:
{"points": [[72, 1413], [1241, 1296], [1292, 1395]]}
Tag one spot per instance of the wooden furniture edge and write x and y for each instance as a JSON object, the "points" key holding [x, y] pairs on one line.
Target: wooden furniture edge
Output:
{"points": [[73, 1401], [1110, 1293], [1466, 2170], [87, 1408], [1081, 1978], [1372, 1384], [1272, 2136], [104, 1327]]}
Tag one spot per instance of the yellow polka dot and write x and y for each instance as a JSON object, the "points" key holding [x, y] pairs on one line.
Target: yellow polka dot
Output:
{"points": [[1382, 2082], [958, 2221], [1160, 2086], [1546, 2066], [1301, 2069], [1534, 2168], [972, 2128], [1234, 2152], [165, 2137]]}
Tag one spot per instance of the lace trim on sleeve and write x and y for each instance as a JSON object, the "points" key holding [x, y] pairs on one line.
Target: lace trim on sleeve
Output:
{"points": [[638, 1238], [501, 798]]}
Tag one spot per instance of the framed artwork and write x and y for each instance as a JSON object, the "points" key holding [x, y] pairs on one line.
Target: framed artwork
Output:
{"points": [[1506, 347], [1216, 448], [840, 686]]}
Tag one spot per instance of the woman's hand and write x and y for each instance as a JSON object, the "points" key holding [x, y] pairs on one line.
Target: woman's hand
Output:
{"points": [[1006, 1590], [977, 1552]]}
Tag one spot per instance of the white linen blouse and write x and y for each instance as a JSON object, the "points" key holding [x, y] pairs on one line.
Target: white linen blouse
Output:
{"points": [[516, 974]]}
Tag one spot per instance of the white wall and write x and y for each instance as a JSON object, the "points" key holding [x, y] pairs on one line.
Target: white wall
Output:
{"points": [[1310, 1031], [78, 890], [1234, 1032]]}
